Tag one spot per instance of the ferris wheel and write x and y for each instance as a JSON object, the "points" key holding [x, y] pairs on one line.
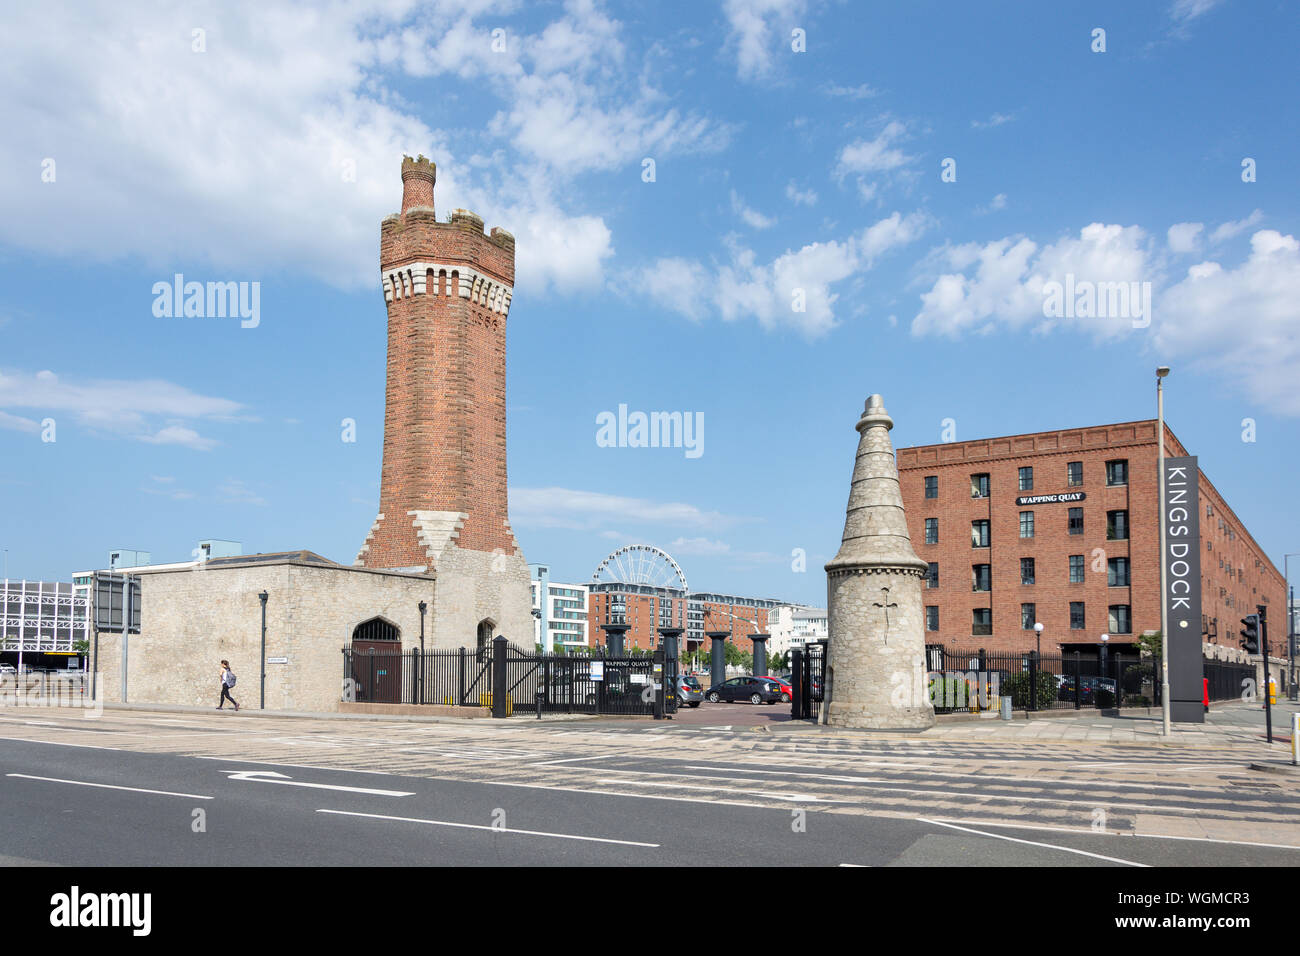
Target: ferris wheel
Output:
{"points": [[641, 564]]}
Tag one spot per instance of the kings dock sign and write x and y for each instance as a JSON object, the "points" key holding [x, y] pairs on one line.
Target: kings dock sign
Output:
{"points": [[1069, 497], [1182, 594]]}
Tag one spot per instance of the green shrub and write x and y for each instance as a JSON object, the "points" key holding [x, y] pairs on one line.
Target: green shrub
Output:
{"points": [[1017, 687]]}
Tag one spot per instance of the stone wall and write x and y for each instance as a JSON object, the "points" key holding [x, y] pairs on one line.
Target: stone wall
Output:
{"points": [[192, 619]]}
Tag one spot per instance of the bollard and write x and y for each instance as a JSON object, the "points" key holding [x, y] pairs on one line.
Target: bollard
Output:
{"points": [[1006, 708]]}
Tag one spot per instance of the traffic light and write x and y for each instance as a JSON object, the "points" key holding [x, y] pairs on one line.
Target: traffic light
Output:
{"points": [[1250, 633]]}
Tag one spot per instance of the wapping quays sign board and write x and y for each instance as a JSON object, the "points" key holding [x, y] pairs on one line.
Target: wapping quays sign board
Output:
{"points": [[1182, 593]]}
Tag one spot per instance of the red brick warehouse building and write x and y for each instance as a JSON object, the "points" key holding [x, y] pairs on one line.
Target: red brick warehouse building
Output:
{"points": [[1061, 528]]}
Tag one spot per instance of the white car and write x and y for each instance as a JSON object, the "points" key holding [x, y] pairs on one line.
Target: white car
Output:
{"points": [[8, 669]]}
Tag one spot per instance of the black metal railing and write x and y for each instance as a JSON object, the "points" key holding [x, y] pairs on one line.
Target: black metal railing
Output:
{"points": [[511, 680]]}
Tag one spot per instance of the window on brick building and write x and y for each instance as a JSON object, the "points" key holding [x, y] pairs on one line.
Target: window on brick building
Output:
{"points": [[1075, 521], [932, 486], [1026, 570], [932, 575], [931, 618], [1116, 525], [1027, 617], [1117, 575], [931, 530], [1076, 569], [981, 623], [1076, 616], [1117, 472], [981, 577], [979, 486], [1027, 479], [1026, 524], [979, 533], [1119, 619], [1074, 473]]}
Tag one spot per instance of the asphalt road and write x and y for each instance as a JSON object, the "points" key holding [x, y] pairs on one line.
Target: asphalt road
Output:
{"points": [[112, 804]]}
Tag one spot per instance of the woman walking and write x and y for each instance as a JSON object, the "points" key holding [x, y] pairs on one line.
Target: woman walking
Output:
{"points": [[227, 682]]}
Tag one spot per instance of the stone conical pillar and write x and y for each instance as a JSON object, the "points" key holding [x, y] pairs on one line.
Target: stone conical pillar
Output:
{"points": [[873, 585]]}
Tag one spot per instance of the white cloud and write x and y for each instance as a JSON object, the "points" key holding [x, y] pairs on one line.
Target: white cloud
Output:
{"points": [[1006, 288], [749, 216], [1222, 319], [237, 491], [759, 29], [1186, 10], [120, 407], [800, 197], [254, 138], [997, 119], [1185, 237], [996, 203], [591, 510], [1241, 323], [744, 287], [1230, 230], [18, 423], [712, 548], [179, 435], [875, 155]]}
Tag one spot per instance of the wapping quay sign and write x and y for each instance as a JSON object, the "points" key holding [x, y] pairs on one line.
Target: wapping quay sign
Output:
{"points": [[1068, 498], [1182, 597]]}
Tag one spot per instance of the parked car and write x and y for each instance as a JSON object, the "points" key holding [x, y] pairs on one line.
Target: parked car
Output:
{"points": [[689, 691], [8, 669], [756, 690], [782, 687]]}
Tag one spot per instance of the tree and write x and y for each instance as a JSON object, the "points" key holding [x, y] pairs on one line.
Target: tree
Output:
{"points": [[1151, 644]]}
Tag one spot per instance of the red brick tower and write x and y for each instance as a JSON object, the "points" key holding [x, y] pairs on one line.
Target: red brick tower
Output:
{"points": [[442, 501]]}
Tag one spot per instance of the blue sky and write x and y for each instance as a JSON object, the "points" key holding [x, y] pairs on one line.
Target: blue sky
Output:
{"points": [[266, 148]]}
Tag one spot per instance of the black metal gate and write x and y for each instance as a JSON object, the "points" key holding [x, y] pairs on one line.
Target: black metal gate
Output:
{"points": [[808, 680]]}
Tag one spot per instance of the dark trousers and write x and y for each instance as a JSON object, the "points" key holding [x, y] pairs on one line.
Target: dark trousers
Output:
{"points": [[225, 696]]}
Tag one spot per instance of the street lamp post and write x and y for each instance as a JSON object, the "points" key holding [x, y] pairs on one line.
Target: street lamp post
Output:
{"points": [[1105, 641], [262, 598], [1161, 372], [1038, 636], [420, 675], [1291, 689]]}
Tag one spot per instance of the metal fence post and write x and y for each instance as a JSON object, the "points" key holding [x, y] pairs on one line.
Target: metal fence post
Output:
{"points": [[460, 680], [499, 682], [1078, 679], [798, 699], [1119, 682], [1033, 680]]}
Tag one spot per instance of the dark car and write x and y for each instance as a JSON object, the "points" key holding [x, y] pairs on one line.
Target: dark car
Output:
{"points": [[781, 686], [756, 690], [689, 691]]}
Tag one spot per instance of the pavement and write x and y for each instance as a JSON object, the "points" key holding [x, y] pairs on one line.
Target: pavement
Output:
{"points": [[159, 787]]}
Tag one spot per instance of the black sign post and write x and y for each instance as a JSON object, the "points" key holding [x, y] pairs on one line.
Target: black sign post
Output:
{"points": [[1182, 597]]}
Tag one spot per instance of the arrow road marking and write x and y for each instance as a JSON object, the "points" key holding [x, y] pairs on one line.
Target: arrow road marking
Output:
{"points": [[270, 776]]}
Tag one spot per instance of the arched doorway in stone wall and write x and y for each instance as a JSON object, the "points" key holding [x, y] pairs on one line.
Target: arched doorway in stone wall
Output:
{"points": [[377, 661]]}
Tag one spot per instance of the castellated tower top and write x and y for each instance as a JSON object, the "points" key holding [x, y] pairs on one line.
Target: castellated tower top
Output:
{"points": [[418, 177]]}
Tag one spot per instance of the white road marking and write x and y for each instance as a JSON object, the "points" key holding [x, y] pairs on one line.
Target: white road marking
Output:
{"points": [[551, 763], [270, 776], [798, 797], [298, 766], [109, 786], [972, 777], [479, 826], [1118, 833], [1049, 846]]}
